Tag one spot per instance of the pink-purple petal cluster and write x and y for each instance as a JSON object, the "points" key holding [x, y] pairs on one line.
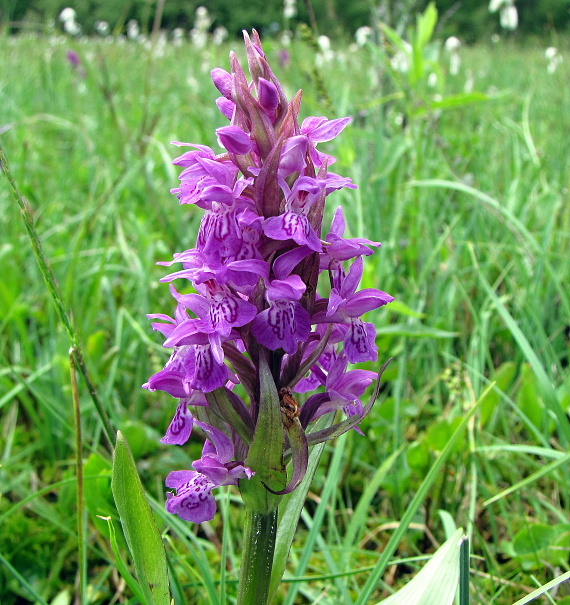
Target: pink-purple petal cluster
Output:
{"points": [[249, 288]]}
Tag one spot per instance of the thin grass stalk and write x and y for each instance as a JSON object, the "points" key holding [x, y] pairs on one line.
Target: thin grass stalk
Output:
{"points": [[55, 294], [22, 581], [82, 552]]}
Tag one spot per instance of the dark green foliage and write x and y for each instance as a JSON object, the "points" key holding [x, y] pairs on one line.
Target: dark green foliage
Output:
{"points": [[468, 19]]}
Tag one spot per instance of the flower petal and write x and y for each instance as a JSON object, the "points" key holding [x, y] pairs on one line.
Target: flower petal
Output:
{"points": [[360, 342], [180, 428], [193, 500]]}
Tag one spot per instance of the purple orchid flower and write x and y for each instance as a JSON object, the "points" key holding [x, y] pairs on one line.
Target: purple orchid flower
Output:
{"points": [[193, 500], [294, 222], [180, 429], [285, 323], [344, 389], [249, 313], [345, 306]]}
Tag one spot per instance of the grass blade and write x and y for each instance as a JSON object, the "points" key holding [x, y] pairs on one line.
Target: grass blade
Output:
{"points": [[545, 588], [548, 392], [22, 581], [53, 288], [530, 479]]}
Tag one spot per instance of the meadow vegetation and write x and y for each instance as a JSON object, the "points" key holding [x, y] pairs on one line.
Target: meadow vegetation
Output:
{"points": [[468, 194]]}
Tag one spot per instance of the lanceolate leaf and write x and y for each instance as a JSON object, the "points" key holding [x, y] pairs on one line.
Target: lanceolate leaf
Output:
{"points": [[436, 583], [265, 455], [299, 454], [139, 526]]}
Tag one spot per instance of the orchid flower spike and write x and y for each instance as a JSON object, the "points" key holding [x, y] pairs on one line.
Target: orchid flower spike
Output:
{"points": [[267, 305]]}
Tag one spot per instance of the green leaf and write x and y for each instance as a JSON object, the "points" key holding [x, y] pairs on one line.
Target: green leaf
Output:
{"points": [[436, 583], [418, 456], [139, 526], [425, 25], [540, 544], [503, 377], [543, 472], [222, 407], [290, 509], [545, 588], [395, 38], [120, 562], [452, 102], [360, 516], [265, 455], [448, 522], [97, 492], [531, 540], [397, 306], [440, 433], [528, 399], [395, 150], [62, 598], [140, 439], [433, 473]]}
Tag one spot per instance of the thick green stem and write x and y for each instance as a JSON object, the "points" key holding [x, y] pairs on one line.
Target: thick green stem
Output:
{"points": [[257, 559]]}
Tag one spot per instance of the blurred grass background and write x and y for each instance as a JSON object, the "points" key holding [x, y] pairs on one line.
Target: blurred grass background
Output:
{"points": [[471, 205]]}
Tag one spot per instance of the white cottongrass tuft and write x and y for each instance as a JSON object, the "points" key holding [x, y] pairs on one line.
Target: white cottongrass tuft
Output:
{"points": [[177, 36], [509, 17], [102, 28], [452, 45], [289, 9], [554, 59], [362, 35], [67, 14], [70, 25], [133, 29], [325, 54], [220, 34]]}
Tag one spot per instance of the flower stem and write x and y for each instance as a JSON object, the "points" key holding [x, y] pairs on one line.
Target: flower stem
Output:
{"points": [[257, 560]]}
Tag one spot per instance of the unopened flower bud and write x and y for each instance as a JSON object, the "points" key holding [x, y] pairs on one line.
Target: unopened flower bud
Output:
{"points": [[222, 81], [267, 94], [234, 139]]}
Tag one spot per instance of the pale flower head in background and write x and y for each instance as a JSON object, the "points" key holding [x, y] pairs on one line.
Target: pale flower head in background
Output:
{"points": [[67, 14], [133, 29], [362, 35], [102, 28], [70, 25], [220, 34], [325, 54], [554, 59], [508, 16], [289, 9], [452, 45]]}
